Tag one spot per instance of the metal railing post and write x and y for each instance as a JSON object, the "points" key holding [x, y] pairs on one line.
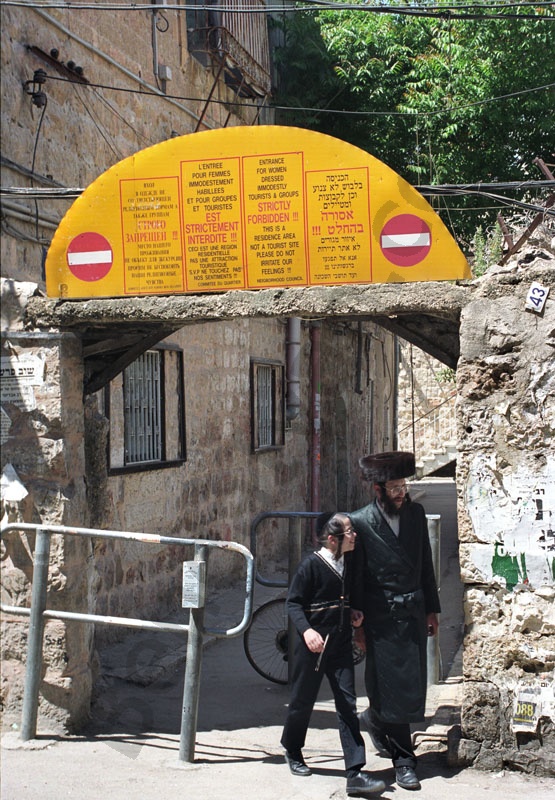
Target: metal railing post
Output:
{"points": [[295, 555], [33, 668], [191, 687], [432, 650]]}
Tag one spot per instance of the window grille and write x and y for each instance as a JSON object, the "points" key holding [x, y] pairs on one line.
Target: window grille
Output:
{"points": [[217, 34], [142, 415], [267, 403], [145, 406]]}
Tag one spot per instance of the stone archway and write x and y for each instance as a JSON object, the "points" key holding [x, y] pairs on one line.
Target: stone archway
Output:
{"points": [[504, 355]]}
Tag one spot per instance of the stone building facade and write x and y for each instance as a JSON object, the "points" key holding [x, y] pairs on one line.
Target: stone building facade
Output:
{"points": [[113, 83], [60, 451]]}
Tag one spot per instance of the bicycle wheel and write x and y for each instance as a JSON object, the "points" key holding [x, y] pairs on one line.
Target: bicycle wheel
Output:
{"points": [[266, 641]]}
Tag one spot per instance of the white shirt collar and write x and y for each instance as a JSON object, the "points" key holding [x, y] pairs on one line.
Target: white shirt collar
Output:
{"points": [[338, 565]]}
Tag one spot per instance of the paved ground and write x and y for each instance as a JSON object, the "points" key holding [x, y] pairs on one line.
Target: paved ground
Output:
{"points": [[132, 746]]}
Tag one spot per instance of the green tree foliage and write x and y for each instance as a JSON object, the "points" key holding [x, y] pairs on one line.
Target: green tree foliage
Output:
{"points": [[444, 100]]}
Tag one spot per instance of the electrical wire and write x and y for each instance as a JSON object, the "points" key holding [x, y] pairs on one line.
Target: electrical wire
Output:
{"points": [[37, 135], [450, 190], [122, 119], [413, 114], [97, 125], [454, 11]]}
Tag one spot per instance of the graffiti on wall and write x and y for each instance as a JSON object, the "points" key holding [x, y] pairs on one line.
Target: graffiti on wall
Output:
{"points": [[513, 518]]}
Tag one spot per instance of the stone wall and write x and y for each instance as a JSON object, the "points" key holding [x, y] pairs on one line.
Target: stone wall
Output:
{"points": [[43, 478], [55, 450], [223, 485], [70, 136], [506, 484]]}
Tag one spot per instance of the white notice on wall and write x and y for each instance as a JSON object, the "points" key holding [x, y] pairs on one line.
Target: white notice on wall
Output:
{"points": [[532, 701], [5, 425], [18, 376], [536, 297]]}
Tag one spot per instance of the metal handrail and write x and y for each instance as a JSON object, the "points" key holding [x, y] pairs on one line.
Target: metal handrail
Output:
{"points": [[38, 614], [428, 413], [291, 515]]}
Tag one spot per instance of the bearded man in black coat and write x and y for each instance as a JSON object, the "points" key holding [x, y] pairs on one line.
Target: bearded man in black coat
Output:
{"points": [[400, 601]]}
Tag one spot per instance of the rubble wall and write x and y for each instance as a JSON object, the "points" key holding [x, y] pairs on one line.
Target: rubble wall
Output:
{"points": [[506, 485], [43, 479]]}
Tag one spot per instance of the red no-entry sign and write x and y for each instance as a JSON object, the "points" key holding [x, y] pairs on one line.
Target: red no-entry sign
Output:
{"points": [[90, 256], [405, 240]]}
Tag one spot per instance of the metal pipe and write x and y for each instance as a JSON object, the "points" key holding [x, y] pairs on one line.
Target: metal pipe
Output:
{"points": [[293, 369], [432, 649], [154, 539], [315, 331], [278, 515], [20, 212], [195, 629], [33, 668], [295, 555], [191, 688], [129, 622]]}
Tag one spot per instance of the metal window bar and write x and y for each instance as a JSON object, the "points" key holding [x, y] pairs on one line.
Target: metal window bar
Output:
{"points": [[245, 39], [38, 614], [265, 405], [239, 41], [143, 409]]}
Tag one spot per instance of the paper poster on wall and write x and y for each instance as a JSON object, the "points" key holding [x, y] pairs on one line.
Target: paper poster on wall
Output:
{"points": [[514, 514], [247, 208]]}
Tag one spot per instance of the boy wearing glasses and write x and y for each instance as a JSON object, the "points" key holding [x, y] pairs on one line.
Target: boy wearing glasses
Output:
{"points": [[318, 604], [400, 605]]}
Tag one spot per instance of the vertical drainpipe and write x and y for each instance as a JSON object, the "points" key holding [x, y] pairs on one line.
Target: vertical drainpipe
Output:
{"points": [[396, 362], [315, 330], [293, 369]]}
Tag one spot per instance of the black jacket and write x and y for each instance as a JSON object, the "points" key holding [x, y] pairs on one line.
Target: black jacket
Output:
{"points": [[319, 597], [397, 580]]}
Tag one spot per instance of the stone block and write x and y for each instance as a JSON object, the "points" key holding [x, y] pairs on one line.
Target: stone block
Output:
{"points": [[480, 712]]}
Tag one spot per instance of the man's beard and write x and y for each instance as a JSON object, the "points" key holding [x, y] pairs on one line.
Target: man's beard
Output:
{"points": [[389, 506]]}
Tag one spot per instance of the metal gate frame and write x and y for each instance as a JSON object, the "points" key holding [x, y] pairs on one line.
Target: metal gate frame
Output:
{"points": [[38, 615]]}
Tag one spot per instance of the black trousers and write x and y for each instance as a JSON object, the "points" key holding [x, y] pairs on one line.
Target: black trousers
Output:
{"points": [[337, 666], [398, 738]]}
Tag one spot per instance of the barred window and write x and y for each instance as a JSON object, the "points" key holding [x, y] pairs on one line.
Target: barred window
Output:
{"points": [[142, 404], [267, 405], [145, 405]]}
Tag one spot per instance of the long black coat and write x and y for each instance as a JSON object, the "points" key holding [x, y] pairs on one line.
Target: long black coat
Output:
{"points": [[396, 576]]}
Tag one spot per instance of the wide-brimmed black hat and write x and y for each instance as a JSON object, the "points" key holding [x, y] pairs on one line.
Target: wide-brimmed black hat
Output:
{"points": [[383, 467]]}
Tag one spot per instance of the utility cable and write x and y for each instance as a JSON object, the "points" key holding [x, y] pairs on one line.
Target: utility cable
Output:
{"points": [[309, 109], [44, 101], [457, 12]]}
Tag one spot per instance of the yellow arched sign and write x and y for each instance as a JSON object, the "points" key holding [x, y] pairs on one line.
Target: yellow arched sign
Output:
{"points": [[247, 208]]}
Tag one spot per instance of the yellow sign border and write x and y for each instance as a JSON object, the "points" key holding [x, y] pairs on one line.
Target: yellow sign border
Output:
{"points": [[247, 208]]}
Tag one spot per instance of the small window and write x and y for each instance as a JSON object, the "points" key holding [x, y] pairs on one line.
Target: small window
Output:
{"points": [[267, 405], [145, 406]]}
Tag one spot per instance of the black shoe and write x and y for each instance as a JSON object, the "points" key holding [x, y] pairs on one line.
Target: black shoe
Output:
{"points": [[297, 766], [379, 741], [362, 784], [406, 778]]}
